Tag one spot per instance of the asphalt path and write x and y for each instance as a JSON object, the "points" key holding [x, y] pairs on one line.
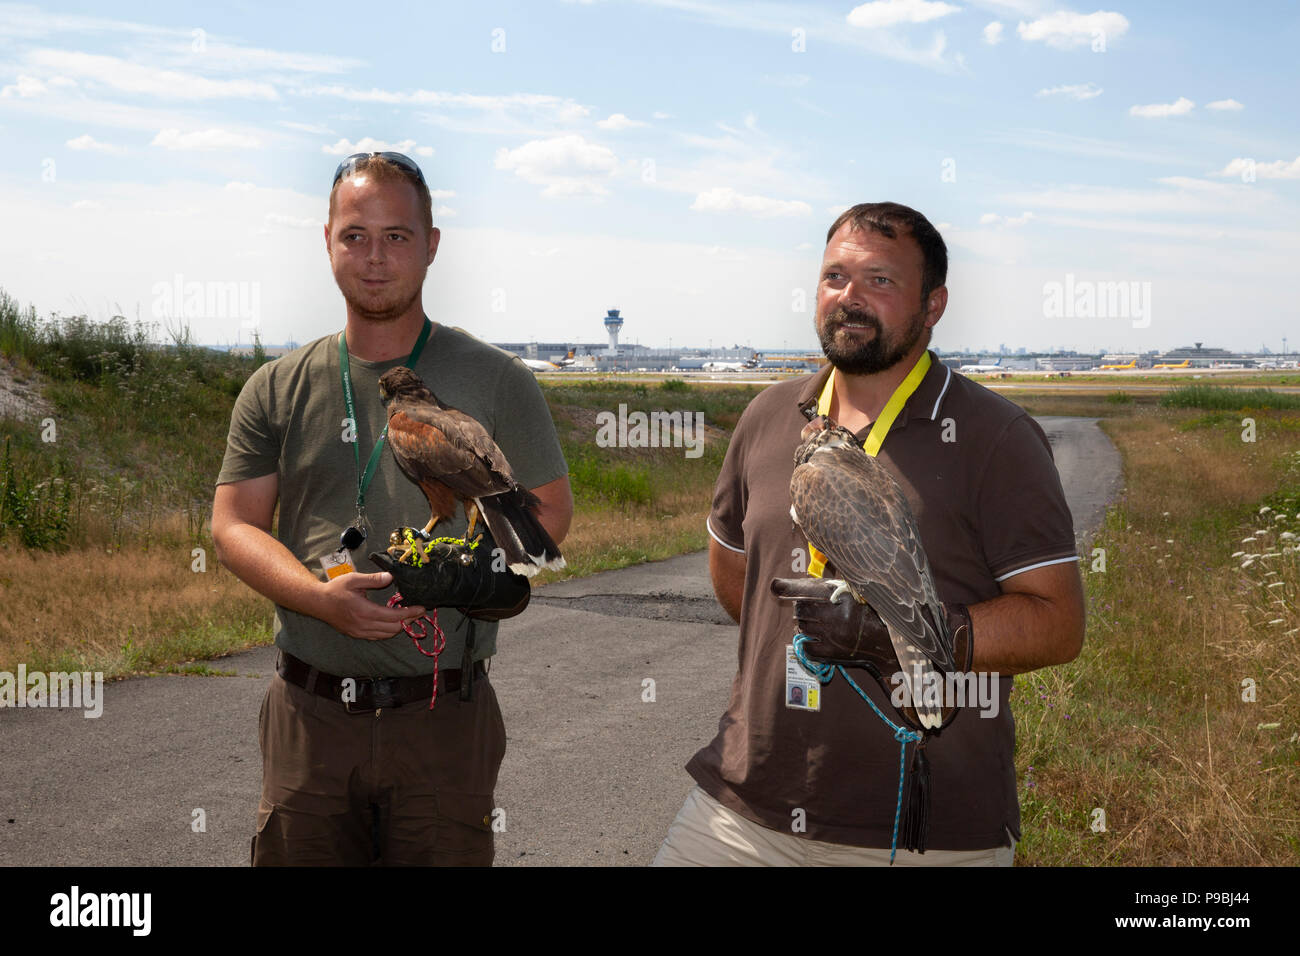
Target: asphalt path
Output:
{"points": [[593, 770]]}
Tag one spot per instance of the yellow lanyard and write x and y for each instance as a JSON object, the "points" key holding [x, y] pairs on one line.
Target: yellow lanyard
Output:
{"points": [[879, 429]]}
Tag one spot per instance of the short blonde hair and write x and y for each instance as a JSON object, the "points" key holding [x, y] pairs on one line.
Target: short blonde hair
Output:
{"points": [[377, 169]]}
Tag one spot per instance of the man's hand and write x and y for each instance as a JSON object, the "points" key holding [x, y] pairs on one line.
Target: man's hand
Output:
{"points": [[342, 605], [846, 631], [455, 575]]}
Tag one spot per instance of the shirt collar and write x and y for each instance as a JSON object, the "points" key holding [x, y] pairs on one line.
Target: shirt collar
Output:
{"points": [[925, 402]]}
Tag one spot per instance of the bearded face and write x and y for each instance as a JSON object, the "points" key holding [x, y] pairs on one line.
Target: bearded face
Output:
{"points": [[856, 343]]}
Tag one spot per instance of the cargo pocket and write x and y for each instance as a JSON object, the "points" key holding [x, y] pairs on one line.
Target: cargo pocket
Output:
{"points": [[270, 846], [464, 829], [288, 837]]}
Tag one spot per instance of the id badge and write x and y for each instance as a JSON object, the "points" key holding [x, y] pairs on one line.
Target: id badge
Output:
{"points": [[336, 563], [803, 691]]}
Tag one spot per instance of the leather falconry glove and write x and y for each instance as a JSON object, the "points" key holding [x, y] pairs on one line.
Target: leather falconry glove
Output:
{"points": [[853, 635], [454, 575]]}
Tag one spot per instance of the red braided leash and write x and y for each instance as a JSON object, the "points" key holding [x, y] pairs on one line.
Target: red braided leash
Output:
{"points": [[439, 639]]}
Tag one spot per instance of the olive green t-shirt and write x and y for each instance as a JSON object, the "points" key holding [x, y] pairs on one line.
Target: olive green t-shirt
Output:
{"points": [[290, 419]]}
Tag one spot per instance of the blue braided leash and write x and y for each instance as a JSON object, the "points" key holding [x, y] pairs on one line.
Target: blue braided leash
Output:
{"points": [[904, 736]]}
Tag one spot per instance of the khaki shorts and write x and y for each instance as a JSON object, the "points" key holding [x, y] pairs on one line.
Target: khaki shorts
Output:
{"points": [[400, 786], [706, 833]]}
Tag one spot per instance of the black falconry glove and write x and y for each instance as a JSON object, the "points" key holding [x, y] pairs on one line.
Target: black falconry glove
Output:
{"points": [[450, 573], [853, 635]]}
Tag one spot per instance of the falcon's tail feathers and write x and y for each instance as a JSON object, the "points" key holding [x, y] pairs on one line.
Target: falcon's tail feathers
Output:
{"points": [[527, 546]]}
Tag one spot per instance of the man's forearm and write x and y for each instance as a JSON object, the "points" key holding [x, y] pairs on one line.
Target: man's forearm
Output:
{"points": [[269, 568], [1015, 633]]}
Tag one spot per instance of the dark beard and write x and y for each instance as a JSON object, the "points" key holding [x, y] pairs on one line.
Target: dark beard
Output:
{"points": [[872, 356]]}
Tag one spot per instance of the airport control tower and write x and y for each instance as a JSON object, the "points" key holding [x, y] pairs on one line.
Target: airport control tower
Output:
{"points": [[613, 323]]}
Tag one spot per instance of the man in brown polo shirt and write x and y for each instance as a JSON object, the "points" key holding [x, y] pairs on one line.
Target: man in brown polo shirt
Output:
{"points": [[785, 784]]}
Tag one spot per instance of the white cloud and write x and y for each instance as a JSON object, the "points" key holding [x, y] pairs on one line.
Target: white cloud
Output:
{"points": [[1078, 91], [1064, 30], [239, 187], [1278, 169], [367, 144], [425, 151], [1176, 194], [1224, 105], [128, 77], [993, 33], [204, 139], [726, 199], [1072, 145], [566, 165], [617, 121], [992, 219], [1180, 107], [553, 106], [26, 86], [444, 212], [661, 115], [777, 17], [87, 204], [442, 193], [887, 13], [89, 142], [294, 222]]}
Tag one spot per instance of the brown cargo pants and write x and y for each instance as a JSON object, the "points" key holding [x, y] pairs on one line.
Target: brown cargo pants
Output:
{"points": [[405, 786]]}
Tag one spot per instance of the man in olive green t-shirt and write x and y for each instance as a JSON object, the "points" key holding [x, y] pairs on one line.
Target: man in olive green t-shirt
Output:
{"points": [[377, 776]]}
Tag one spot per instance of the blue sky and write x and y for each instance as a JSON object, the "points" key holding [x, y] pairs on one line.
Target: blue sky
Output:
{"points": [[678, 159]]}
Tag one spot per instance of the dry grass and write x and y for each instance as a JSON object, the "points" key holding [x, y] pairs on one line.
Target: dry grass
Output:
{"points": [[1157, 733], [123, 612]]}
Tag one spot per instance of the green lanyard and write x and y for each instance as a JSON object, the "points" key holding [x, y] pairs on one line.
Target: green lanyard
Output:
{"points": [[363, 480]]}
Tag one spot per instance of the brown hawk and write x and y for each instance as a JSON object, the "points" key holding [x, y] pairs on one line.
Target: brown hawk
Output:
{"points": [[452, 458], [851, 509]]}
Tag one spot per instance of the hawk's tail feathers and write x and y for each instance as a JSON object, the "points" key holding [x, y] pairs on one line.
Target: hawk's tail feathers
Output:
{"points": [[527, 546]]}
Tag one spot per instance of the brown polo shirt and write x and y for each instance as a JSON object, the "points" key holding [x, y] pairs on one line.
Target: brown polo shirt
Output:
{"points": [[979, 476]]}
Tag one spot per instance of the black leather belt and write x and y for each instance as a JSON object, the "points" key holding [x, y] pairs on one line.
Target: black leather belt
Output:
{"points": [[369, 693]]}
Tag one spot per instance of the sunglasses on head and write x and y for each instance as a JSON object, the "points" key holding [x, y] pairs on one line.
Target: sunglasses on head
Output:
{"points": [[398, 159]]}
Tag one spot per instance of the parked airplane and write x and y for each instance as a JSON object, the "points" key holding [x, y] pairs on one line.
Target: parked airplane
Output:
{"points": [[995, 367], [1120, 368], [1185, 363], [537, 365], [730, 366]]}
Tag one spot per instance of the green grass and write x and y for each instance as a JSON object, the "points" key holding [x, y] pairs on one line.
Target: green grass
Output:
{"points": [[137, 429], [1220, 398]]}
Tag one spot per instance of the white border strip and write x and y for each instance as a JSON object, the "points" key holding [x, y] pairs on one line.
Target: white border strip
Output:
{"points": [[947, 378], [1040, 564], [719, 540]]}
